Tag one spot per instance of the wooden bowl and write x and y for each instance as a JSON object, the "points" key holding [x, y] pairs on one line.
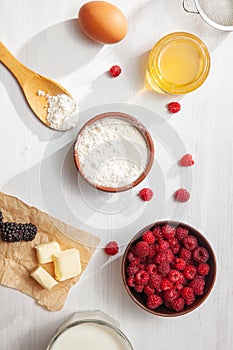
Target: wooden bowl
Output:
{"points": [[140, 298], [143, 131]]}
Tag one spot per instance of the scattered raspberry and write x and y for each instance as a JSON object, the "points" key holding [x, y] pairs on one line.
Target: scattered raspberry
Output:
{"points": [[168, 231], [187, 293], [148, 237], [151, 269], [186, 160], [200, 255], [141, 249], [178, 304], [182, 195], [174, 107], [132, 269], [148, 290], [142, 277], [114, 71], [181, 233], [190, 272], [185, 254], [139, 288], [146, 194], [179, 264], [190, 242], [198, 286], [165, 284], [157, 231], [170, 295], [154, 301], [155, 281], [131, 281], [163, 268], [203, 269], [111, 248]]}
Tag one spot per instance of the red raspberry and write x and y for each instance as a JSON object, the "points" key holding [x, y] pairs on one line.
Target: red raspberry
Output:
{"points": [[179, 264], [157, 231], [186, 160], [203, 269], [200, 255], [141, 249], [163, 245], [152, 251], [174, 107], [182, 195], [178, 287], [148, 290], [168, 231], [190, 272], [190, 242], [160, 257], [148, 237], [155, 281], [151, 269], [169, 256], [111, 248], [178, 304], [146, 194], [187, 293], [181, 233], [130, 257], [174, 276], [190, 301], [198, 286], [167, 304], [131, 281], [174, 245], [185, 254], [163, 268], [165, 284], [132, 269], [170, 295], [141, 266], [139, 287], [142, 277], [154, 301], [114, 71]]}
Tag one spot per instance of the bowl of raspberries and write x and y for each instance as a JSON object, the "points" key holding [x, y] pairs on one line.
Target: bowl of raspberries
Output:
{"points": [[169, 268]]}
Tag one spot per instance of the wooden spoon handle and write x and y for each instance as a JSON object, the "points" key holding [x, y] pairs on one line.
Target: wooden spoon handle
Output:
{"points": [[21, 73]]}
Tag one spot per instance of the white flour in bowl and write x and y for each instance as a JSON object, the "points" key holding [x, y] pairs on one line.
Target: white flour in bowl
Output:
{"points": [[62, 111], [112, 152]]}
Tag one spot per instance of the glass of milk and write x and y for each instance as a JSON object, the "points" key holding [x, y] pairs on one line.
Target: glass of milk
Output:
{"points": [[90, 330]]}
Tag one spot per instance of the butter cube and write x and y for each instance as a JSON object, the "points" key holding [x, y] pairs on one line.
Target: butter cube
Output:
{"points": [[67, 264], [45, 251], [44, 278]]}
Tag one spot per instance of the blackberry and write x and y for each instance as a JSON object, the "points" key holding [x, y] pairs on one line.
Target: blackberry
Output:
{"points": [[1, 218], [13, 232]]}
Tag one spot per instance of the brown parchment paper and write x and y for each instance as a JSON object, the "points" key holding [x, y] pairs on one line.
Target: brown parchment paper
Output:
{"points": [[18, 259]]}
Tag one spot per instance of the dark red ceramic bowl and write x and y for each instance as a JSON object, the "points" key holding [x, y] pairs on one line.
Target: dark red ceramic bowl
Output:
{"points": [[144, 132], [140, 298]]}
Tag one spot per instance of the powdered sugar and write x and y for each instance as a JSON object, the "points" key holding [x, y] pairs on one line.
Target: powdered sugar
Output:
{"points": [[112, 152], [62, 111]]}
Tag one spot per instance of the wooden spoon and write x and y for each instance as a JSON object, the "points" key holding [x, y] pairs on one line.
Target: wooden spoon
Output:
{"points": [[31, 83]]}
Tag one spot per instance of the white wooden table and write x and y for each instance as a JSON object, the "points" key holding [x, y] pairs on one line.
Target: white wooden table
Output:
{"points": [[37, 165]]}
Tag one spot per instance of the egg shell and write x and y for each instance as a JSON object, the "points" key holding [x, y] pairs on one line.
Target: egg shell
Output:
{"points": [[103, 22]]}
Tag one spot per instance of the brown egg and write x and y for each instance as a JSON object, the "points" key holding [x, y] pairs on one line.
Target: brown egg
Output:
{"points": [[103, 22]]}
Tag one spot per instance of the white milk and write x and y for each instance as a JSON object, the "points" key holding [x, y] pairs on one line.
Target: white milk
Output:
{"points": [[89, 336]]}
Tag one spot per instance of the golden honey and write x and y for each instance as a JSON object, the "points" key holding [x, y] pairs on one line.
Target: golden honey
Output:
{"points": [[179, 63]]}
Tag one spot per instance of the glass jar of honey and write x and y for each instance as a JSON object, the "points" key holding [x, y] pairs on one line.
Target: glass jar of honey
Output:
{"points": [[179, 63]]}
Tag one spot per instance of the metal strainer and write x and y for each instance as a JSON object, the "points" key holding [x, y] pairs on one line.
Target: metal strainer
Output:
{"points": [[217, 13]]}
